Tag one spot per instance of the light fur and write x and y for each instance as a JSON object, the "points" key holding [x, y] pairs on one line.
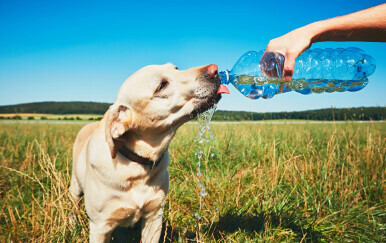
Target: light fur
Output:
{"points": [[144, 117]]}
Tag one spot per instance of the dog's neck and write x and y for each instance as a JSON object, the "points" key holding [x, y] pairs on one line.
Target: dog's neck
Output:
{"points": [[151, 147]]}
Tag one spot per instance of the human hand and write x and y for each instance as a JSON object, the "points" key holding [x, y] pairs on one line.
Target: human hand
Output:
{"points": [[342, 28], [290, 46]]}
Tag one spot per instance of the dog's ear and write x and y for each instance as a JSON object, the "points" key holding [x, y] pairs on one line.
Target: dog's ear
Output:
{"points": [[118, 121]]}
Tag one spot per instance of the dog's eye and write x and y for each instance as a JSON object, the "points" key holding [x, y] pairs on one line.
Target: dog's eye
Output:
{"points": [[162, 86]]}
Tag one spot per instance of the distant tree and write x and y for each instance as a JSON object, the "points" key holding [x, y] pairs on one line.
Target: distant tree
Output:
{"points": [[333, 113], [57, 108], [31, 118]]}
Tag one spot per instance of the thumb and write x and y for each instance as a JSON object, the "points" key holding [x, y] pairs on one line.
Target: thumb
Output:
{"points": [[289, 64]]}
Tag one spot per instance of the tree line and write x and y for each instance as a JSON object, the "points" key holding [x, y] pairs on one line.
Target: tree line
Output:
{"points": [[61, 108], [330, 114]]}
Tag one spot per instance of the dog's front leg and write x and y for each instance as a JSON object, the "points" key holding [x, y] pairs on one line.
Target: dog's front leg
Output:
{"points": [[100, 232], [152, 226]]}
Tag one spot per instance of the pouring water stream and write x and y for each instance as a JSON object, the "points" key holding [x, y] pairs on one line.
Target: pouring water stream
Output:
{"points": [[204, 135]]}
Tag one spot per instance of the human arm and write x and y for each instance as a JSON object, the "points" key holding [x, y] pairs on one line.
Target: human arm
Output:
{"points": [[364, 25]]}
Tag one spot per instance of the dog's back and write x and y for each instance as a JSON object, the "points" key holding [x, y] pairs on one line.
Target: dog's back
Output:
{"points": [[82, 137], [78, 165]]}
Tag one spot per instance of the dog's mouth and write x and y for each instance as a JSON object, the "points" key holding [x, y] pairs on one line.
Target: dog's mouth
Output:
{"points": [[214, 90], [209, 101], [206, 104]]}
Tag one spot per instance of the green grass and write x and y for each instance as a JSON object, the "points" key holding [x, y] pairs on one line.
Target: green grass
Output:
{"points": [[266, 183]]}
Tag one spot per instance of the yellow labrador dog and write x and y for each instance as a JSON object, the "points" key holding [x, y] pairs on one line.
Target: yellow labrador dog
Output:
{"points": [[120, 163]]}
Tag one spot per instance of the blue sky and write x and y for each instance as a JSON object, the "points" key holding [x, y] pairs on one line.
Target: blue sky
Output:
{"points": [[84, 50]]}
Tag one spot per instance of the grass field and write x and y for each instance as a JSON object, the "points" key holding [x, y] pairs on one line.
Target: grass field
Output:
{"points": [[266, 183]]}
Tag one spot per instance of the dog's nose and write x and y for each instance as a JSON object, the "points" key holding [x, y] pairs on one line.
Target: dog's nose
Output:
{"points": [[212, 70]]}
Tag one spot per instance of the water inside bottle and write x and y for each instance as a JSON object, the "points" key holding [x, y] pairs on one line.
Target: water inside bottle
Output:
{"points": [[255, 87]]}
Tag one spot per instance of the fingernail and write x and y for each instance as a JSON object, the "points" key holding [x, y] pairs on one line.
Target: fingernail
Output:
{"points": [[287, 78]]}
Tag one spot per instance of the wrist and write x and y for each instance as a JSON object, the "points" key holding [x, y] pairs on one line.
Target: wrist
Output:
{"points": [[306, 34], [315, 31]]}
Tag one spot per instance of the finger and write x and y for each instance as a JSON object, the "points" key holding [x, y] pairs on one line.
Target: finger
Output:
{"points": [[289, 65]]}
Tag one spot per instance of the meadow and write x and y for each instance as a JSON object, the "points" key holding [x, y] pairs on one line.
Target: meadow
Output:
{"points": [[265, 183]]}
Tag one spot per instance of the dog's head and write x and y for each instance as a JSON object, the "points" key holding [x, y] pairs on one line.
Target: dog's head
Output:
{"points": [[155, 101]]}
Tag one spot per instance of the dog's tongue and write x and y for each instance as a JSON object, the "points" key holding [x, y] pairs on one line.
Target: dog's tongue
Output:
{"points": [[222, 90]]}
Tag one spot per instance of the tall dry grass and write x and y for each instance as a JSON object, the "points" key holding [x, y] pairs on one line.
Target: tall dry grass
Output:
{"points": [[35, 175], [269, 183]]}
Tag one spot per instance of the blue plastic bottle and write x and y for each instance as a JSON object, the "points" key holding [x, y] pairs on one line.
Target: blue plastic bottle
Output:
{"points": [[316, 71]]}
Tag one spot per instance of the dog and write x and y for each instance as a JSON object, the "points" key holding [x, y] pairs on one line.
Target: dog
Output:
{"points": [[120, 163]]}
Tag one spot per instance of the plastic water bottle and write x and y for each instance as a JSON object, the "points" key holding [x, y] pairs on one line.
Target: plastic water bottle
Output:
{"points": [[316, 71]]}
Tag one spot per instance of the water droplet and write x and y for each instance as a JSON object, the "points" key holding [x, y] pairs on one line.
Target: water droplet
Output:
{"points": [[204, 135]]}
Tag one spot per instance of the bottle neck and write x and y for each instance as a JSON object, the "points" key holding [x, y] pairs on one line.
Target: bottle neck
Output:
{"points": [[224, 75]]}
